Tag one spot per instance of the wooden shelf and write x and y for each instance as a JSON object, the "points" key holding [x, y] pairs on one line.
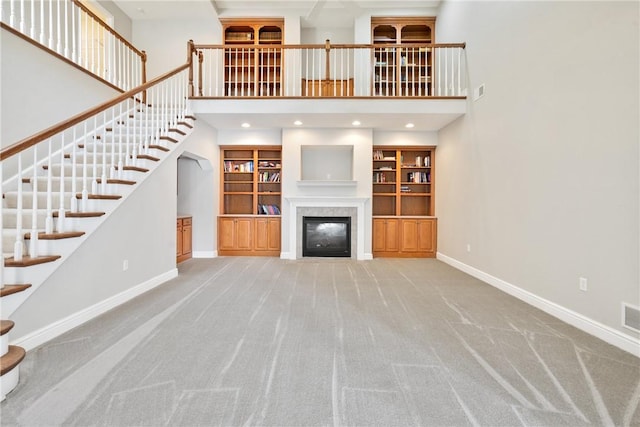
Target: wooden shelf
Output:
{"points": [[403, 211], [406, 69], [243, 227], [249, 71]]}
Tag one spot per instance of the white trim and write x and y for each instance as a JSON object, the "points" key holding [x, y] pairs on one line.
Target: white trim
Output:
{"points": [[55, 329], [586, 324], [204, 254]]}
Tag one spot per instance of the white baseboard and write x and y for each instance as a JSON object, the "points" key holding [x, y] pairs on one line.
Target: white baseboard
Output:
{"points": [[49, 332], [204, 254], [586, 324], [286, 255]]}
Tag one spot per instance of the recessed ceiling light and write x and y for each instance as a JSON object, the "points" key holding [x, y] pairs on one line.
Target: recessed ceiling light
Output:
{"points": [[355, 123], [409, 125], [245, 125], [297, 123]]}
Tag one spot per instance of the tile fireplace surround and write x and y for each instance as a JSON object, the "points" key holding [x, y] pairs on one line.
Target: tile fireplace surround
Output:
{"points": [[327, 206]]}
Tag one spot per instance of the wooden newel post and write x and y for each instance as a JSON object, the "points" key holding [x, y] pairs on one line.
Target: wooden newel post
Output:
{"points": [[327, 50], [144, 76], [200, 60], [190, 51]]}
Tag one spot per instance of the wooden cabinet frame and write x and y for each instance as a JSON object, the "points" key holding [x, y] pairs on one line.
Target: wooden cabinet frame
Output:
{"points": [[250, 200], [402, 64], [253, 66]]}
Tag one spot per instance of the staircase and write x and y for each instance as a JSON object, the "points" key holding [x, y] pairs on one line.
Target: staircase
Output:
{"points": [[50, 207]]}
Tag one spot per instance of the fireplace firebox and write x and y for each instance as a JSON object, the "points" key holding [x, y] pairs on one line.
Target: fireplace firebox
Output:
{"points": [[326, 236]]}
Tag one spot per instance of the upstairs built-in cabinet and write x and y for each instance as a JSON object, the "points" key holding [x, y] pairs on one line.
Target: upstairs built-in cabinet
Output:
{"points": [[249, 223], [403, 64], [253, 65], [404, 222]]}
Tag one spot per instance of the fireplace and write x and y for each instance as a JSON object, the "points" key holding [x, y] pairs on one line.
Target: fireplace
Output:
{"points": [[326, 236]]}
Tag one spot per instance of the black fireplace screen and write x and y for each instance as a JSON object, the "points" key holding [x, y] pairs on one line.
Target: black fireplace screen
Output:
{"points": [[326, 236]]}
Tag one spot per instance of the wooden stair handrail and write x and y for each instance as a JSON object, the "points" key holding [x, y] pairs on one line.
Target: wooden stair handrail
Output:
{"points": [[325, 46], [26, 143]]}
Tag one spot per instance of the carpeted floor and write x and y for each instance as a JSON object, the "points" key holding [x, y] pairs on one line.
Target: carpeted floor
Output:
{"points": [[264, 341]]}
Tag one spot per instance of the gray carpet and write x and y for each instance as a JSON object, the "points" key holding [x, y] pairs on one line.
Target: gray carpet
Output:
{"points": [[264, 341]]}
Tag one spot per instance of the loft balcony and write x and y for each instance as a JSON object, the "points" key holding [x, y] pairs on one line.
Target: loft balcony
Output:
{"points": [[388, 84]]}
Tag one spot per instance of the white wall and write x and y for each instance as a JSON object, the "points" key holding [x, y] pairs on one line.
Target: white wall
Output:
{"points": [[121, 21], [198, 187], [541, 176], [142, 230], [39, 91], [165, 42]]}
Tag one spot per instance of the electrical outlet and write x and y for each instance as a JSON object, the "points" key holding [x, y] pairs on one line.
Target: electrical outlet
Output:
{"points": [[468, 247], [125, 265], [583, 284]]}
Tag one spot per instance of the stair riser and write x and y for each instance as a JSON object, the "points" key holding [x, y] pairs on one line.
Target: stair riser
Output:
{"points": [[98, 148], [55, 185], [45, 247], [68, 169], [9, 381], [32, 274], [10, 220], [4, 344]]}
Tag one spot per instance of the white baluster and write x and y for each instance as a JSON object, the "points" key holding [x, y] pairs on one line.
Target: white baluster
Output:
{"points": [[22, 16], [51, 25], [94, 176], [114, 129], [73, 206], [85, 167], [48, 225], [59, 31], [459, 68], [61, 226], [131, 132], [120, 163], [103, 178], [18, 248], [66, 29], [74, 54], [33, 240], [32, 30], [12, 13]]}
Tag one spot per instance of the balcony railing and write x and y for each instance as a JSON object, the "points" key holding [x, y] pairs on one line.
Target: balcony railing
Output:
{"points": [[67, 28], [389, 70]]}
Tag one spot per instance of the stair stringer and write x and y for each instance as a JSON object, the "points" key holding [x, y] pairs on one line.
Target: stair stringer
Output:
{"points": [[34, 311]]}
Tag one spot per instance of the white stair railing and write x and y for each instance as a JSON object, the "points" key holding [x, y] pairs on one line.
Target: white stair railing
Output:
{"points": [[72, 31], [389, 70], [106, 137]]}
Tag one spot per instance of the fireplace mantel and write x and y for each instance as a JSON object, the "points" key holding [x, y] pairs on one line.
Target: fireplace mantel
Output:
{"points": [[328, 202]]}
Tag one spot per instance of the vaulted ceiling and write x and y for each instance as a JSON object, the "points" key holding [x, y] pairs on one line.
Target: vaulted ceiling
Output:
{"points": [[313, 13]]}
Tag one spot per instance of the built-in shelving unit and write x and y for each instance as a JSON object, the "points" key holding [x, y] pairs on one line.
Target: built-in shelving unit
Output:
{"points": [[253, 64], [404, 201], [403, 64], [249, 221]]}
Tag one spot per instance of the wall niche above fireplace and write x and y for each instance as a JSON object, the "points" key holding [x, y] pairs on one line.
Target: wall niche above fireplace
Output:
{"points": [[322, 163]]}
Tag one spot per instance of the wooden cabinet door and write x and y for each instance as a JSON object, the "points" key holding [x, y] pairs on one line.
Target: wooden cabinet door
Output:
{"points": [[186, 239], [226, 233], [385, 235], [243, 233], [179, 238], [235, 233], [409, 239], [427, 236], [267, 235]]}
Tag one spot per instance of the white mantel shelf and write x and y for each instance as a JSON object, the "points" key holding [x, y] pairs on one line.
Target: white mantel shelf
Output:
{"points": [[327, 183]]}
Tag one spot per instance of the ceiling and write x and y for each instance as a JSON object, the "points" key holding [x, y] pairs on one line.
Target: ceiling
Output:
{"points": [[313, 13]]}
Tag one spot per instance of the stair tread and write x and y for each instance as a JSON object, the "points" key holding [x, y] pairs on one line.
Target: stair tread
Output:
{"points": [[13, 289], [69, 214], [56, 235], [6, 326], [100, 196], [12, 359], [28, 261]]}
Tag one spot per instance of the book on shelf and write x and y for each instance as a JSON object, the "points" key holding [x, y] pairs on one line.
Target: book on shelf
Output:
{"points": [[268, 210], [419, 177], [269, 177], [231, 166]]}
